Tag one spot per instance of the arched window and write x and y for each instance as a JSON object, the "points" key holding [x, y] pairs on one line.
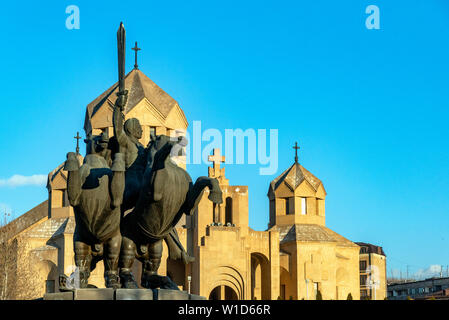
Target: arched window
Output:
{"points": [[65, 199], [228, 211], [290, 205], [303, 206]]}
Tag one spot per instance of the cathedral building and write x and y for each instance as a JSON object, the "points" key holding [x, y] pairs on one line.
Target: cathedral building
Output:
{"points": [[298, 257]]}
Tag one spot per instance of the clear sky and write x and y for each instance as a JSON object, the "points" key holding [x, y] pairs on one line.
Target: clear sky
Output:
{"points": [[369, 108]]}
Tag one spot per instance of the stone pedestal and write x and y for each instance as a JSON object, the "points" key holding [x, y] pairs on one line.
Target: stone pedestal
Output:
{"points": [[134, 294], [122, 294]]}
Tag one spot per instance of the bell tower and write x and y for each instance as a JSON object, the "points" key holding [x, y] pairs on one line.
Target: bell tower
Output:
{"points": [[296, 196]]}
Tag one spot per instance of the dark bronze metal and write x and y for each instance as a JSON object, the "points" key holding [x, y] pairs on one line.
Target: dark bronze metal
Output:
{"points": [[126, 141], [121, 39], [95, 191], [167, 192], [139, 180], [77, 142]]}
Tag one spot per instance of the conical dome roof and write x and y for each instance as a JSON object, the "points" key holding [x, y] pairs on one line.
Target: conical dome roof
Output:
{"points": [[139, 86], [294, 176]]}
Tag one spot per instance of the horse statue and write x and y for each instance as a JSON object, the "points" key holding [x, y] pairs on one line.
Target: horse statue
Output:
{"points": [[167, 193], [95, 191]]}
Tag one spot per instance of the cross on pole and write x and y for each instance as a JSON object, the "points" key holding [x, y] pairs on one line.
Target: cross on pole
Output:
{"points": [[77, 142], [296, 147], [136, 48]]}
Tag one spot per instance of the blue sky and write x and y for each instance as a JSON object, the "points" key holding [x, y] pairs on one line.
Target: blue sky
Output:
{"points": [[369, 108]]}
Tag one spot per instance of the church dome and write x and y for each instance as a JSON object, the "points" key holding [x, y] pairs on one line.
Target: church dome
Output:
{"points": [[296, 196], [294, 176]]}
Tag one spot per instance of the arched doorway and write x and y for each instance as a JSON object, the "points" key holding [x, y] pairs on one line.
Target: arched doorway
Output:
{"points": [[260, 277], [226, 276], [223, 293]]}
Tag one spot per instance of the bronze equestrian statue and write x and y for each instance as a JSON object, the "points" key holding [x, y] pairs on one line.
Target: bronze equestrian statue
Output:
{"points": [[95, 191], [144, 181], [167, 193]]}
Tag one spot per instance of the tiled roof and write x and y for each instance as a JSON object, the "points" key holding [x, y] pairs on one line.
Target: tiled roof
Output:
{"points": [[310, 232], [294, 176], [139, 86], [26, 220], [371, 248], [52, 228]]}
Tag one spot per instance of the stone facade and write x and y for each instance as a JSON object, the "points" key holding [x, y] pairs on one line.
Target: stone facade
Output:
{"points": [[122, 294], [313, 257]]}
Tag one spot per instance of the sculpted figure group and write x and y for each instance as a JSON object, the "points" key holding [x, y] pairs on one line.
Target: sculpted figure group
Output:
{"points": [[127, 199]]}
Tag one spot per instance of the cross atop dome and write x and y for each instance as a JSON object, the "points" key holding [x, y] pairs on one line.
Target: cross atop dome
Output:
{"points": [[216, 171], [136, 49], [296, 147]]}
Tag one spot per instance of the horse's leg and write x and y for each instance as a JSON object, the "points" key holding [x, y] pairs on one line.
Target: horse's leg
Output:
{"points": [[111, 256], [83, 260], [150, 264], [73, 179], [97, 252], [118, 180], [176, 249], [154, 257], [195, 193], [215, 194], [126, 261]]}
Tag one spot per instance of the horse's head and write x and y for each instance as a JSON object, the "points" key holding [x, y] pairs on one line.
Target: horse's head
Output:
{"points": [[159, 150], [161, 146]]}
